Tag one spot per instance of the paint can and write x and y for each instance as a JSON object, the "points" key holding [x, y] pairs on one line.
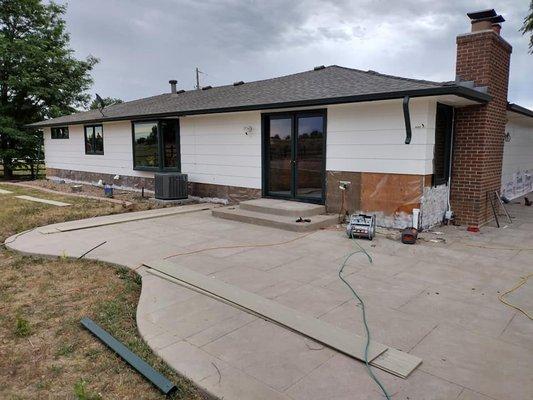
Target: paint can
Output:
{"points": [[108, 191]]}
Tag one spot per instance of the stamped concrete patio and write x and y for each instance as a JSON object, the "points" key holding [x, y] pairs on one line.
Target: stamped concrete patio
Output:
{"points": [[438, 301]]}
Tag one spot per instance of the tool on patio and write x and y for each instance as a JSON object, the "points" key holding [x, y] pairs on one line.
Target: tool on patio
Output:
{"points": [[343, 212], [409, 235], [502, 205], [362, 226], [157, 379], [496, 200]]}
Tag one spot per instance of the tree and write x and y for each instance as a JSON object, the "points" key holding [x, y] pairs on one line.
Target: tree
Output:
{"points": [[528, 26], [39, 76], [108, 101]]}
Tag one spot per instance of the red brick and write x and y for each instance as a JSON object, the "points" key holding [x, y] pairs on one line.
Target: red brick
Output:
{"points": [[482, 57]]}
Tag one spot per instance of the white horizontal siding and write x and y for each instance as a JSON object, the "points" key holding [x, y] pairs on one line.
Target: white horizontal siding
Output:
{"points": [[70, 153], [517, 168], [369, 137], [364, 137], [214, 149]]}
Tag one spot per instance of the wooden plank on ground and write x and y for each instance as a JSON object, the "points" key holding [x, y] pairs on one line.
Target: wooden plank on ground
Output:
{"points": [[386, 358], [3, 191], [44, 201], [323, 332], [121, 218], [396, 362]]}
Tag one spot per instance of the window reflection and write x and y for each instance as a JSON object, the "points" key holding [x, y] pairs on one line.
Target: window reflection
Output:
{"points": [[146, 144]]}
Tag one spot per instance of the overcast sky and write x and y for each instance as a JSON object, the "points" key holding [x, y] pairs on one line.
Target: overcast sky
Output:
{"points": [[142, 44]]}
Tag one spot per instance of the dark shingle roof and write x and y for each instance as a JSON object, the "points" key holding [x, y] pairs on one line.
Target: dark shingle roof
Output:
{"points": [[328, 85]]}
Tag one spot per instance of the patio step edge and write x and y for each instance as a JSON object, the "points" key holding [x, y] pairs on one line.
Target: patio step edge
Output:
{"points": [[287, 223], [283, 207]]}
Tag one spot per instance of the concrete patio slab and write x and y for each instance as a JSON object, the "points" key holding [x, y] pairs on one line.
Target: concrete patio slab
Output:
{"points": [[402, 330], [467, 394], [519, 331], [351, 383], [485, 365], [473, 346], [311, 300], [270, 353], [119, 218]]}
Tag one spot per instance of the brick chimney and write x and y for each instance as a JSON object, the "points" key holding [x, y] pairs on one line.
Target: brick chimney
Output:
{"points": [[483, 56]]}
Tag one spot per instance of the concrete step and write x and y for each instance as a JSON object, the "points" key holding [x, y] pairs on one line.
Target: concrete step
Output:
{"points": [[285, 222], [283, 207]]}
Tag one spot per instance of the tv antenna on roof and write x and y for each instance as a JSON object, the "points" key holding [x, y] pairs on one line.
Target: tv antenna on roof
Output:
{"points": [[198, 72], [101, 102]]}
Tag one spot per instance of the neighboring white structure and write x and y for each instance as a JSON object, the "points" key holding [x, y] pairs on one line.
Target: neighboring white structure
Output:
{"points": [[517, 169]]}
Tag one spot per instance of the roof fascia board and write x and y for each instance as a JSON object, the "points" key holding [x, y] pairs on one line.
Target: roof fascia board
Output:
{"points": [[460, 91], [519, 110]]}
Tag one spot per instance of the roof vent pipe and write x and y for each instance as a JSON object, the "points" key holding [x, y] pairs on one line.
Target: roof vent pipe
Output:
{"points": [[173, 83]]}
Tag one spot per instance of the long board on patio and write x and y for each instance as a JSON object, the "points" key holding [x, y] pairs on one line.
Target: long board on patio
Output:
{"points": [[121, 218], [379, 355]]}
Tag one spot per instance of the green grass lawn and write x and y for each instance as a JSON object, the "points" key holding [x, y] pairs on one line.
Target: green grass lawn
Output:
{"points": [[44, 351]]}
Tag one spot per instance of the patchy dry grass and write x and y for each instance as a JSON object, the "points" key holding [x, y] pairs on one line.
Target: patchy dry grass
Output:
{"points": [[44, 351], [122, 195], [17, 215]]}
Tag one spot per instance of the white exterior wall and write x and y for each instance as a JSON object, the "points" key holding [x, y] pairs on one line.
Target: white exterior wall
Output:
{"points": [[370, 137], [361, 137], [517, 169], [70, 153], [215, 149]]}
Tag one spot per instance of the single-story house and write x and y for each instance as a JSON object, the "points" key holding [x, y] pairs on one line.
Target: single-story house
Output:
{"points": [[395, 143]]}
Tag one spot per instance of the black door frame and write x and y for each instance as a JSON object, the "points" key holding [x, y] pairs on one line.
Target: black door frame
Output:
{"points": [[265, 156]]}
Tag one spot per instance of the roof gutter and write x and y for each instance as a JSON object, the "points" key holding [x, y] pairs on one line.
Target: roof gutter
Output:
{"points": [[519, 110], [461, 91]]}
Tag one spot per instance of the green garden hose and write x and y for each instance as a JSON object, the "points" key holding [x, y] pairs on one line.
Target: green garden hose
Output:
{"points": [[365, 323]]}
